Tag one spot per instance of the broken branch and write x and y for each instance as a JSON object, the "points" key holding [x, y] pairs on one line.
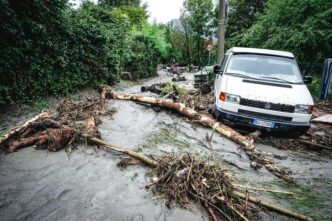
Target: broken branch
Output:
{"points": [[130, 153], [273, 207]]}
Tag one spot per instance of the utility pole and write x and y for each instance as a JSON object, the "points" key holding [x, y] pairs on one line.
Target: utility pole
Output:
{"points": [[221, 31]]}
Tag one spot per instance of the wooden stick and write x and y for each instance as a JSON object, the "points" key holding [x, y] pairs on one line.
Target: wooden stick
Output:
{"points": [[305, 142], [273, 207], [130, 153], [264, 190], [210, 211], [237, 212]]}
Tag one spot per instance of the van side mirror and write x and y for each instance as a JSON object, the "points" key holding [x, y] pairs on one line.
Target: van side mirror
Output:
{"points": [[217, 69], [307, 79]]}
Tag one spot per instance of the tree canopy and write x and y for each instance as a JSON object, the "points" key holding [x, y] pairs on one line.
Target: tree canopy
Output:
{"points": [[199, 16], [299, 26]]}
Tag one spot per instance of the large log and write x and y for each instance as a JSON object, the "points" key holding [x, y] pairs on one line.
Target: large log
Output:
{"points": [[228, 132], [246, 142], [25, 142]]}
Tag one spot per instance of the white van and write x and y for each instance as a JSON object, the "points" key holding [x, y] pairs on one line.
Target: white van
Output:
{"points": [[263, 89]]}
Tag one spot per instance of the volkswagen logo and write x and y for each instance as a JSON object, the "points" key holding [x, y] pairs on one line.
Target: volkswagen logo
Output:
{"points": [[267, 105]]}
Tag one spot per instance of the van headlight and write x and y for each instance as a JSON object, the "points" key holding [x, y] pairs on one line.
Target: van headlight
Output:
{"points": [[229, 98], [304, 109]]}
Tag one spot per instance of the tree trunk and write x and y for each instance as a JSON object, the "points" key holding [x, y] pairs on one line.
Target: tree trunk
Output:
{"points": [[246, 142], [221, 31]]}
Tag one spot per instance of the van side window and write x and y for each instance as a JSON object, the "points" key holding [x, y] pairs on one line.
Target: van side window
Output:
{"points": [[223, 63]]}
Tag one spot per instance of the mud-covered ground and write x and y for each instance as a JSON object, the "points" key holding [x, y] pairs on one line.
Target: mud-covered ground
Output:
{"points": [[87, 185]]}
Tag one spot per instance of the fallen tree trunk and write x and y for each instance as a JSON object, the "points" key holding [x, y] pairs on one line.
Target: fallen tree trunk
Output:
{"points": [[17, 130], [25, 142], [228, 132], [154, 88]]}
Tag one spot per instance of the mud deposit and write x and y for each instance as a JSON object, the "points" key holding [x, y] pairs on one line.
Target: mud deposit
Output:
{"points": [[41, 185]]}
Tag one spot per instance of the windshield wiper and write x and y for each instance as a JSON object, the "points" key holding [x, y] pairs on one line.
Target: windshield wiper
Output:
{"points": [[278, 79], [241, 75]]}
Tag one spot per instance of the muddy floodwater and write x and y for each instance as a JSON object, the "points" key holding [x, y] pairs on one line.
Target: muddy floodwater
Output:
{"points": [[88, 185]]}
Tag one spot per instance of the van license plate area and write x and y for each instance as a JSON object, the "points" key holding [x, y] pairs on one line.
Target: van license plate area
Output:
{"points": [[263, 123]]}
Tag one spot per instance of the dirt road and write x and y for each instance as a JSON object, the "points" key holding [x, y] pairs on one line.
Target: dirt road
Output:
{"points": [[40, 185]]}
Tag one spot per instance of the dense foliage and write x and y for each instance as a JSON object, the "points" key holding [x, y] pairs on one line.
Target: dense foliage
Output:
{"points": [[119, 3], [243, 14], [47, 48], [182, 44], [300, 26]]}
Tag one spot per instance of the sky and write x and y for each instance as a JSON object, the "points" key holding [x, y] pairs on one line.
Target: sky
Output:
{"points": [[162, 11]]}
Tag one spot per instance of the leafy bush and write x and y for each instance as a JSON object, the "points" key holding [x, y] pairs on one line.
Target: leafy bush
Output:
{"points": [[49, 49], [149, 48]]}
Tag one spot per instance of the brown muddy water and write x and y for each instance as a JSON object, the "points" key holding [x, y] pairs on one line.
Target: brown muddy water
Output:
{"points": [[42, 185]]}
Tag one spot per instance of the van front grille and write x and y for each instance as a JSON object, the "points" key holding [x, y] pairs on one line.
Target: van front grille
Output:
{"points": [[269, 117], [267, 105]]}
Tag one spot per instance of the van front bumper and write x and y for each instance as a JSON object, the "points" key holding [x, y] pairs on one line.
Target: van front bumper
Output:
{"points": [[248, 120]]}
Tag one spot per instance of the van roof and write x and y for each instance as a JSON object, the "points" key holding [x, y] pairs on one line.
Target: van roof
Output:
{"points": [[236, 50]]}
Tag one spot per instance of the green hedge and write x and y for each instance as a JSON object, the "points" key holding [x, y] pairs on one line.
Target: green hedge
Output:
{"points": [[48, 48]]}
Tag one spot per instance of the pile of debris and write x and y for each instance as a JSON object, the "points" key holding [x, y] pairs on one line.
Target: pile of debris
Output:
{"points": [[317, 138], [185, 179], [197, 101], [55, 132], [322, 107], [190, 179]]}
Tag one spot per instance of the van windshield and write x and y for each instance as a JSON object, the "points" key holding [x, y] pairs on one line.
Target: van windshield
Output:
{"points": [[265, 67]]}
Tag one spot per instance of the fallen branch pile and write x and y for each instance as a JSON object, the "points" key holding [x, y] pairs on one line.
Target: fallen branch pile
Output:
{"points": [[188, 178], [258, 157], [56, 132], [317, 138]]}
